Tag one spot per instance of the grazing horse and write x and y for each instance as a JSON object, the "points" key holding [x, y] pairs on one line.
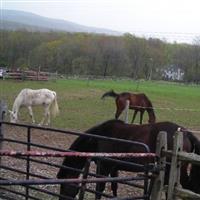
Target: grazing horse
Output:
{"points": [[29, 98], [146, 133], [137, 102]]}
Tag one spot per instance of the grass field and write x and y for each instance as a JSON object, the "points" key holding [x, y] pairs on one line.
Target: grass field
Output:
{"points": [[81, 107]]}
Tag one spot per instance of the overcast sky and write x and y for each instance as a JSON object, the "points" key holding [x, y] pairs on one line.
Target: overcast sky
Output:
{"points": [[172, 19]]}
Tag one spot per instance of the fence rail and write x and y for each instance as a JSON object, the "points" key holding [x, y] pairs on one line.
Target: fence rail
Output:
{"points": [[30, 75]]}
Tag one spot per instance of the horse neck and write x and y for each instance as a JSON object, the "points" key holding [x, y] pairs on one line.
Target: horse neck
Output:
{"points": [[81, 144], [17, 104]]}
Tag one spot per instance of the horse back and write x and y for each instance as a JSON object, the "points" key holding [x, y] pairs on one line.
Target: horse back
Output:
{"points": [[145, 133], [137, 101], [120, 130], [31, 97]]}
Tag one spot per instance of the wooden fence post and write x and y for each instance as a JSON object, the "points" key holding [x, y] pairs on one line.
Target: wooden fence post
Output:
{"points": [[174, 176], [158, 184]]}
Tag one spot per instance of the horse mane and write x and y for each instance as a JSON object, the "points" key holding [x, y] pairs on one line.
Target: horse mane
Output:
{"points": [[110, 93]]}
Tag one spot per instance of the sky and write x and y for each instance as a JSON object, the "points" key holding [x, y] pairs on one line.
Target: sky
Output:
{"points": [[174, 20]]}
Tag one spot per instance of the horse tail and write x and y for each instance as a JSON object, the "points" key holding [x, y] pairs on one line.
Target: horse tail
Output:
{"points": [[150, 110], [110, 93], [54, 106]]}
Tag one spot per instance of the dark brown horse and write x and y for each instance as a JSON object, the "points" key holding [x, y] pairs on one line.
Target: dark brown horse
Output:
{"points": [[137, 102], [140, 133]]}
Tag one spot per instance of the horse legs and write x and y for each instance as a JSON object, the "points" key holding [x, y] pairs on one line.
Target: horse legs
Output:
{"points": [[141, 116], [101, 170], [68, 191], [118, 113], [114, 185], [46, 115], [31, 114], [134, 115]]}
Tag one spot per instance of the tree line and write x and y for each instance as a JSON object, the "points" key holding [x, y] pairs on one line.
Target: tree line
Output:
{"points": [[98, 55]]}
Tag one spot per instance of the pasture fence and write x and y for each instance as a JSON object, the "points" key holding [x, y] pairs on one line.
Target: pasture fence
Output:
{"points": [[30, 75], [173, 114], [173, 189]]}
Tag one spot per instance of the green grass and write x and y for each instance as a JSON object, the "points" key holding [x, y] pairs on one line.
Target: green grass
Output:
{"points": [[81, 106]]}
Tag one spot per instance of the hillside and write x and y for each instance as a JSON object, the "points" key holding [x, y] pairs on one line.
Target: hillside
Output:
{"points": [[15, 20]]}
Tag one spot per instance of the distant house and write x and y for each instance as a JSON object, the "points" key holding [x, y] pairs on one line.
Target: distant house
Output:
{"points": [[173, 73]]}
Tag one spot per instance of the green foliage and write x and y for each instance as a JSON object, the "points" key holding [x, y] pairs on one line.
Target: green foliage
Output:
{"points": [[95, 54]]}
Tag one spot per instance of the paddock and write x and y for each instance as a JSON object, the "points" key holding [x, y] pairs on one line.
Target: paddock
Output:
{"points": [[31, 156]]}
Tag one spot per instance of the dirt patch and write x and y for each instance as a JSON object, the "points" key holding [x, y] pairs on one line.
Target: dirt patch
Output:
{"points": [[47, 169]]}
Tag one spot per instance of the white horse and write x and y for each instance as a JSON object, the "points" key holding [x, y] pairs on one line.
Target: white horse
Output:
{"points": [[29, 98]]}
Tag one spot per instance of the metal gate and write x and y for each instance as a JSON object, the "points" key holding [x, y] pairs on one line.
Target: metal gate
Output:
{"points": [[31, 157]]}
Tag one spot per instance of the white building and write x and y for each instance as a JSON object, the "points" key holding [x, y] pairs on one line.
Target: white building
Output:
{"points": [[172, 73]]}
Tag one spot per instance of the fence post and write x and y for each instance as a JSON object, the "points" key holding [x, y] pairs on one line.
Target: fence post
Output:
{"points": [[174, 176], [28, 161], [126, 111], [85, 174], [158, 184], [3, 110]]}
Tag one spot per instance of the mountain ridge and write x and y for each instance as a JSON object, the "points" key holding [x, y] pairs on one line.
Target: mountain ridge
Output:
{"points": [[15, 20]]}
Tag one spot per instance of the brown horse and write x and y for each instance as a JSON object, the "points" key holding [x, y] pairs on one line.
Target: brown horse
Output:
{"points": [[138, 102], [146, 134]]}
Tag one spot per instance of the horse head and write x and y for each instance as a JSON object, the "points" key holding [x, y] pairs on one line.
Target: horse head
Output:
{"points": [[13, 116]]}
